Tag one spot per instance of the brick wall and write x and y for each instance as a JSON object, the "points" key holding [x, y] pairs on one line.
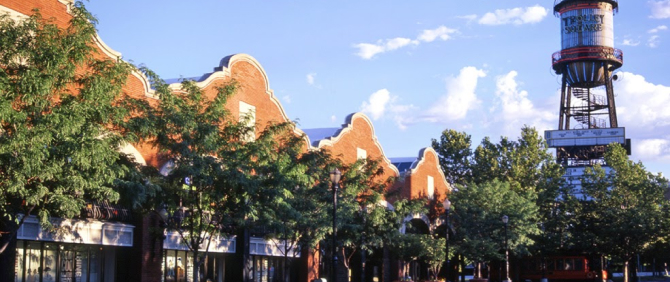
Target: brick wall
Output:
{"points": [[357, 133]]}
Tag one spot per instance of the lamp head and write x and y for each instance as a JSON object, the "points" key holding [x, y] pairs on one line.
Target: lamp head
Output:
{"points": [[446, 204], [335, 175], [505, 219], [163, 213]]}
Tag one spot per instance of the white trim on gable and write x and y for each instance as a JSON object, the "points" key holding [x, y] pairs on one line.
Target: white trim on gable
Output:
{"points": [[349, 126]]}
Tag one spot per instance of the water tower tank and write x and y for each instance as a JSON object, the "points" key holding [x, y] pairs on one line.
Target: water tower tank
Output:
{"points": [[587, 42]]}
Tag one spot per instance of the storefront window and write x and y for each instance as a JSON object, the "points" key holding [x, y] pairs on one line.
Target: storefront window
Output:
{"points": [[67, 264], [32, 262], [94, 261], [50, 256], [81, 264], [189, 267], [53, 262], [267, 269], [18, 268], [170, 263], [178, 267]]}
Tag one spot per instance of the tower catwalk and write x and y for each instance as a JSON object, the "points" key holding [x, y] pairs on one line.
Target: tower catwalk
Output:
{"points": [[586, 62]]}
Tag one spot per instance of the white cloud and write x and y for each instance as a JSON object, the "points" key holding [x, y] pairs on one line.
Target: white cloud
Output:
{"points": [[376, 104], [460, 97], [401, 115], [333, 118], [653, 41], [657, 29], [660, 9], [516, 110], [630, 42], [310, 78], [516, 16], [442, 32], [642, 109], [382, 102], [287, 99], [369, 50], [652, 149], [469, 18]]}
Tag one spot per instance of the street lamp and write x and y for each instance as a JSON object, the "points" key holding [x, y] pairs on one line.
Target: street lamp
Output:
{"points": [[364, 214], [505, 219], [447, 207], [335, 179]]}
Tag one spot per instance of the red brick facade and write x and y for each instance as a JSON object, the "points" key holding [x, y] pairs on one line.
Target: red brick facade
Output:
{"points": [[354, 137]]}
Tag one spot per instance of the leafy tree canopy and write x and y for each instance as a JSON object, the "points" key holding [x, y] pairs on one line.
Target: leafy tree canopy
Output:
{"points": [[62, 120]]}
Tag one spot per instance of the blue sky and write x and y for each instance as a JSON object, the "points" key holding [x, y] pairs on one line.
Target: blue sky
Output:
{"points": [[415, 68]]}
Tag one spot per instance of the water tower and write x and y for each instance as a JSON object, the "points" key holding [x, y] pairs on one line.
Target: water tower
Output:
{"points": [[587, 60]]}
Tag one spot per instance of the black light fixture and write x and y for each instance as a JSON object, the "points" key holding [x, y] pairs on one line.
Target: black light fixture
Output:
{"points": [[364, 216], [335, 175], [505, 219], [447, 207]]}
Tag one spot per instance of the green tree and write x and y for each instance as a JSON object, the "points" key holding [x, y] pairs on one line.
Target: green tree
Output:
{"points": [[62, 115], [296, 189], [530, 169], [408, 248], [209, 188], [478, 209], [434, 253], [365, 223], [626, 207], [455, 153]]}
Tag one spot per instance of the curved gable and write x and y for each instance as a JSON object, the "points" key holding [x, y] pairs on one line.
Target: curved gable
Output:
{"points": [[427, 166], [356, 134], [254, 87]]}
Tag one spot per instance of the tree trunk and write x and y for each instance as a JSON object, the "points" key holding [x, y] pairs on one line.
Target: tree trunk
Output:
{"points": [[286, 268], [362, 265], [478, 270], [462, 263], [196, 266], [625, 271], [8, 253]]}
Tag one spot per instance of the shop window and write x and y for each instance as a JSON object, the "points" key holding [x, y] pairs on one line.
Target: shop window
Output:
{"points": [[18, 268], [81, 263], [267, 269], [50, 257], [179, 266], [171, 263], [67, 265], [51, 262], [32, 261]]}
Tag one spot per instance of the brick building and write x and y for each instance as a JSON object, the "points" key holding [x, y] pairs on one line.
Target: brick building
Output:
{"points": [[140, 256]]}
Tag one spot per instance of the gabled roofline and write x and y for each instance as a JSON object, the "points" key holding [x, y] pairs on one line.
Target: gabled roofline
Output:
{"points": [[421, 159], [348, 126]]}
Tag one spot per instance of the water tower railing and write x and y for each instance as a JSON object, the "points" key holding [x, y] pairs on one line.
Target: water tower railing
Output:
{"points": [[590, 53]]}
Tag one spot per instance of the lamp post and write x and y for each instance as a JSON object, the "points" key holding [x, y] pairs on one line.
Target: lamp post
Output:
{"points": [[505, 219], [364, 214], [335, 179], [447, 207]]}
